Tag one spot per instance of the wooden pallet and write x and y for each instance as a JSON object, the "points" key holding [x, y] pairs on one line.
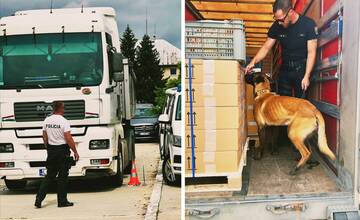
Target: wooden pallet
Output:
{"points": [[219, 182]]}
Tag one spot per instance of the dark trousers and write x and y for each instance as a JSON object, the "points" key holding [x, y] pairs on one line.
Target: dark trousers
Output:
{"points": [[56, 165], [290, 77]]}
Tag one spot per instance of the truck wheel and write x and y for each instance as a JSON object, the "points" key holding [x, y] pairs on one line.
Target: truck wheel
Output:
{"points": [[170, 178], [15, 184], [117, 179]]}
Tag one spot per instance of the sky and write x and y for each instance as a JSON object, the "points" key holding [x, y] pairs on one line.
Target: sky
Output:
{"points": [[164, 16]]}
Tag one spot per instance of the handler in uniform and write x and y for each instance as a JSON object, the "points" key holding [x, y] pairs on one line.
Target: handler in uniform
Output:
{"points": [[297, 35], [58, 141]]}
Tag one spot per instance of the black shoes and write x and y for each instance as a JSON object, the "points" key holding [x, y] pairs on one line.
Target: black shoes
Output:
{"points": [[66, 204], [37, 204]]}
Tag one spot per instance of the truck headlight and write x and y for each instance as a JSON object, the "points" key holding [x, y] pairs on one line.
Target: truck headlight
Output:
{"points": [[177, 140], [6, 148], [99, 144]]}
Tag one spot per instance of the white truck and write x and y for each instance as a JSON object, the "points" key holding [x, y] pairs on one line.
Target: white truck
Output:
{"points": [[70, 55], [170, 137]]}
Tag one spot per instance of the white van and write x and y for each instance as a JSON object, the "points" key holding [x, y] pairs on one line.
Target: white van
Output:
{"points": [[170, 137]]}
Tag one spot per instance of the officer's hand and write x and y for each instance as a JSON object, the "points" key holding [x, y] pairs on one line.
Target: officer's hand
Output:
{"points": [[305, 83], [249, 67], [76, 156]]}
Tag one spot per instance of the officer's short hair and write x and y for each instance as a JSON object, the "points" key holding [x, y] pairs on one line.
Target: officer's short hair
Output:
{"points": [[58, 105], [283, 5]]}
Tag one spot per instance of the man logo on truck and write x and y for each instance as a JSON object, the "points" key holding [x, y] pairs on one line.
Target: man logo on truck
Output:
{"points": [[43, 108]]}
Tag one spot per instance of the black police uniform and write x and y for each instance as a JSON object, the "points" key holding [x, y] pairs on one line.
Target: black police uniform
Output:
{"points": [[57, 164], [58, 161], [293, 41]]}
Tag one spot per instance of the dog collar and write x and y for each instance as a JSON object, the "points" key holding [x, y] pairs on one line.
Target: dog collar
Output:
{"points": [[261, 91]]}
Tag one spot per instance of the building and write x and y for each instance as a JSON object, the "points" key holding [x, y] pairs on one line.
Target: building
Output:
{"points": [[170, 57]]}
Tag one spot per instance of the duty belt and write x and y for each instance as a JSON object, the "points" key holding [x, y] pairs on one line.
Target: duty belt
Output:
{"points": [[293, 63]]}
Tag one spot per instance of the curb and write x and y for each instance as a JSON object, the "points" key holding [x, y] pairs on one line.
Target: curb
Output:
{"points": [[153, 207]]}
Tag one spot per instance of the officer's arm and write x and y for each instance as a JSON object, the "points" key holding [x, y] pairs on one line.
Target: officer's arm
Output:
{"points": [[70, 141], [264, 50], [311, 57], [45, 139]]}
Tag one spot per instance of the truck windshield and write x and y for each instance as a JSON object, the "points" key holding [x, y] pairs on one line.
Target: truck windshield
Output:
{"points": [[50, 60]]}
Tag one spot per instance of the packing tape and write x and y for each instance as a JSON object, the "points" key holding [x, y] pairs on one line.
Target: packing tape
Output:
{"points": [[208, 89], [208, 67], [209, 78], [210, 140], [209, 102], [210, 168], [209, 157], [210, 118]]}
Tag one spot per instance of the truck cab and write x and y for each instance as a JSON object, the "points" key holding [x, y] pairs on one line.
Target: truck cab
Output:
{"points": [[70, 55], [170, 137]]}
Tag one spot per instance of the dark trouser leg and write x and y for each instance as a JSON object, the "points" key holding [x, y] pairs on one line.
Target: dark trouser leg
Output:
{"points": [[44, 187], [299, 93], [62, 182], [284, 84]]}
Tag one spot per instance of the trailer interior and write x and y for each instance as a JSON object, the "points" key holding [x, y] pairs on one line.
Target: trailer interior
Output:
{"points": [[333, 91]]}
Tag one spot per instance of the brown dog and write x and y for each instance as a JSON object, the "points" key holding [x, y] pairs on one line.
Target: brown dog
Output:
{"points": [[301, 117]]}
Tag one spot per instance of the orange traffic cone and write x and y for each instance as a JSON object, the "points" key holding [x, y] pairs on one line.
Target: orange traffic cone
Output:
{"points": [[134, 179]]}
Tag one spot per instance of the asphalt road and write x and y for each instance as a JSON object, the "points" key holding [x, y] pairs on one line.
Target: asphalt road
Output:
{"points": [[95, 199]]}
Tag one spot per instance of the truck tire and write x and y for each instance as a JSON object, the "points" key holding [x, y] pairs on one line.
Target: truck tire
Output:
{"points": [[15, 184], [131, 142], [117, 180], [170, 178]]}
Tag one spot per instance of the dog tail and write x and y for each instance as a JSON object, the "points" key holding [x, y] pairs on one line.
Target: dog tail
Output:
{"points": [[322, 143]]}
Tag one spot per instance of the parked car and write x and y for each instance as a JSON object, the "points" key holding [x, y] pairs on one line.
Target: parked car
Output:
{"points": [[145, 122], [170, 137]]}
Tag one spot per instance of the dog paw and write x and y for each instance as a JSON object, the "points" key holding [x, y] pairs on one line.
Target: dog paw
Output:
{"points": [[293, 172], [274, 152]]}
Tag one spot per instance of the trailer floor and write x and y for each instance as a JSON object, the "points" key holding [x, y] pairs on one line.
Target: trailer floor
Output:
{"points": [[270, 176]]}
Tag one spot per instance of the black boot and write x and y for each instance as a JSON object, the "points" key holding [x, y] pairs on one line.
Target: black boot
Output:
{"points": [[37, 204], [66, 204]]}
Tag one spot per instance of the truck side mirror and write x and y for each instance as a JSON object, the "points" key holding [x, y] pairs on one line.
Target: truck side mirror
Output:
{"points": [[164, 118], [118, 76], [117, 67], [117, 62]]}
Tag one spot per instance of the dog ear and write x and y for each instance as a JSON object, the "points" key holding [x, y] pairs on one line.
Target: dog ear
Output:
{"points": [[249, 79]]}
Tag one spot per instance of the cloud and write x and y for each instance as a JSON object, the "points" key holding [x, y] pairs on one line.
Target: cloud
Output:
{"points": [[164, 14]]}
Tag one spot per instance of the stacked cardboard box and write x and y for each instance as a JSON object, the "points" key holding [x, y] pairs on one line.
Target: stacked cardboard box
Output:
{"points": [[219, 117]]}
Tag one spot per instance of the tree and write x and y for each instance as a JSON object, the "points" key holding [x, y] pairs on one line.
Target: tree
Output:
{"points": [[148, 72], [160, 96], [128, 42]]}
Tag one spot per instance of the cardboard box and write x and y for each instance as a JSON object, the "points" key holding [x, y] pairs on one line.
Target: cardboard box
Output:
{"points": [[213, 163], [214, 71], [215, 117], [214, 94], [215, 140]]}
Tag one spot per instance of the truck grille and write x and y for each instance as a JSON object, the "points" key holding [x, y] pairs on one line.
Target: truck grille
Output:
{"points": [[37, 111], [144, 128]]}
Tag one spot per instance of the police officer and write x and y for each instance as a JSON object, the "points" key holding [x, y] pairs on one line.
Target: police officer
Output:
{"points": [[297, 35], [58, 141]]}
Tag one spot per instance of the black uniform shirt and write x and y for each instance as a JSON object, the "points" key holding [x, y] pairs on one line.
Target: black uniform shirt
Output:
{"points": [[294, 39]]}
